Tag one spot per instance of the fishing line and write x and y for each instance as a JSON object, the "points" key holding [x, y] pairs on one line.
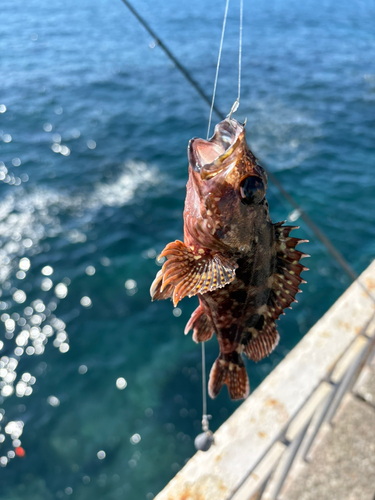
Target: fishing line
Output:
{"points": [[204, 391], [237, 102], [204, 440], [218, 66]]}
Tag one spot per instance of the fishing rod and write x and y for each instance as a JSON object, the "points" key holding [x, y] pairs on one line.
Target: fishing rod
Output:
{"points": [[175, 61]]}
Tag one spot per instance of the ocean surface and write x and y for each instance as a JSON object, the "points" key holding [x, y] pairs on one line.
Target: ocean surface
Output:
{"points": [[100, 389]]}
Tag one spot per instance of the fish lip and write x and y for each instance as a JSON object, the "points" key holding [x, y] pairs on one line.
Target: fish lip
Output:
{"points": [[228, 134], [192, 157]]}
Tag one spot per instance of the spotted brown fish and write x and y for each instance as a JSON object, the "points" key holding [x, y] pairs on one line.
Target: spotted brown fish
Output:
{"points": [[244, 269]]}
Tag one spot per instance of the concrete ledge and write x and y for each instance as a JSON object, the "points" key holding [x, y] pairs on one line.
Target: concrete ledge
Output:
{"points": [[343, 465], [254, 429]]}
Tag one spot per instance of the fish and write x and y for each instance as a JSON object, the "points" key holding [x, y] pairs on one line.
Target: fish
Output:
{"points": [[244, 269]]}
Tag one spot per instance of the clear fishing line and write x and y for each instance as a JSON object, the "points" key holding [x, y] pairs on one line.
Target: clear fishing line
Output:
{"points": [[237, 101], [204, 440], [218, 66]]}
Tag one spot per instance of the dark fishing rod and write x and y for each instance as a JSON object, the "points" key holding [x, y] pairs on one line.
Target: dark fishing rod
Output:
{"points": [[335, 253], [176, 62]]}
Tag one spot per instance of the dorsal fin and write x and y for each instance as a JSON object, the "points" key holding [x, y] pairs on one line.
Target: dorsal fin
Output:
{"points": [[189, 272], [286, 279], [284, 282]]}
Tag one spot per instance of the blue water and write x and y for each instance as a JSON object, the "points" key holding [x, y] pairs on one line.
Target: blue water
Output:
{"points": [[94, 126]]}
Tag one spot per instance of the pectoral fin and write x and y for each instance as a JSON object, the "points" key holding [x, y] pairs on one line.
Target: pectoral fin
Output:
{"points": [[187, 272]]}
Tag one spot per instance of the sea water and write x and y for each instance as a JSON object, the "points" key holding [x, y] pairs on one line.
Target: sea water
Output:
{"points": [[100, 389]]}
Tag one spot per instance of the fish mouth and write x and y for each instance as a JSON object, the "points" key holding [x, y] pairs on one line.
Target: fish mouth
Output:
{"points": [[209, 157]]}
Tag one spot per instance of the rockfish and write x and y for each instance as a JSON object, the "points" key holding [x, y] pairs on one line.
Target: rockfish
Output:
{"points": [[244, 269]]}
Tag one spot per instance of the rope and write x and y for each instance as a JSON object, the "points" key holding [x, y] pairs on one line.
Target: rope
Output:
{"points": [[218, 66]]}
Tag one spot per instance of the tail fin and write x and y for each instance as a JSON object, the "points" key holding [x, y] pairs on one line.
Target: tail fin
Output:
{"points": [[229, 369]]}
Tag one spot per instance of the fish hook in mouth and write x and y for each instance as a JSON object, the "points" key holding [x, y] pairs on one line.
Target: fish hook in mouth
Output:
{"points": [[207, 157]]}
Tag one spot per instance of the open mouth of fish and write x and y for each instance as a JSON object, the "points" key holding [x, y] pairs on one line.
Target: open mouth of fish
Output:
{"points": [[209, 157]]}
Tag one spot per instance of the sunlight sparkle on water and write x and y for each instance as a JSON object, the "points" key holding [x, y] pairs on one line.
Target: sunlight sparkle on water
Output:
{"points": [[53, 401], [82, 369], [31, 329], [27, 242], [90, 270], [121, 383], [131, 287], [19, 296], [86, 302], [177, 312], [64, 347], [135, 439], [24, 264], [7, 390], [10, 325], [46, 285], [149, 254], [61, 290], [47, 270], [65, 151], [14, 428]]}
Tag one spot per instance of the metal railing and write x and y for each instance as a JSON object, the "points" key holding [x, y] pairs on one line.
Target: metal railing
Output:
{"points": [[296, 441]]}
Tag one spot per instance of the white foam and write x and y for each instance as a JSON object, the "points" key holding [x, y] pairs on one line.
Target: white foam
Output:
{"points": [[28, 218], [120, 192]]}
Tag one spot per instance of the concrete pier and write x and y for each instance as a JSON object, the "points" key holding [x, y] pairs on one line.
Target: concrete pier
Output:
{"points": [[308, 430]]}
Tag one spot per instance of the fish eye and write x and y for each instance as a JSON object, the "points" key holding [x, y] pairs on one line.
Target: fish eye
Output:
{"points": [[252, 190]]}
